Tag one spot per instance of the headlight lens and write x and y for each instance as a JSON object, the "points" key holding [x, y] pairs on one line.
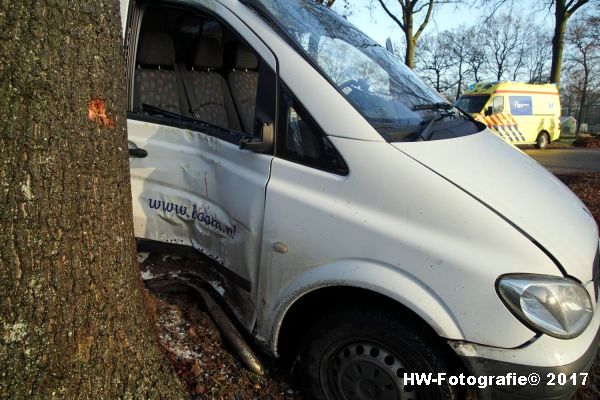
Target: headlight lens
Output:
{"points": [[557, 306]]}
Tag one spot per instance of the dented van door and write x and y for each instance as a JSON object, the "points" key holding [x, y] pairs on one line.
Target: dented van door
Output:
{"points": [[192, 184], [197, 190]]}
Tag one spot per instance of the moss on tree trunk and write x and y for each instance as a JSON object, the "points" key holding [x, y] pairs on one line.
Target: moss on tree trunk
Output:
{"points": [[72, 321]]}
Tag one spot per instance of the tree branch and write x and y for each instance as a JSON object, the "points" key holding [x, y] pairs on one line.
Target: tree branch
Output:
{"points": [[426, 20], [576, 6], [390, 14]]}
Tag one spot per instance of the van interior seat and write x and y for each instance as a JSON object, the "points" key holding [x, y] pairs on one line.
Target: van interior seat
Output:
{"points": [[207, 89], [243, 82], [155, 75]]}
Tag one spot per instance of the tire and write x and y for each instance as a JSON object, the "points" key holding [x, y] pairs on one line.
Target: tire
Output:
{"points": [[360, 354], [543, 140]]}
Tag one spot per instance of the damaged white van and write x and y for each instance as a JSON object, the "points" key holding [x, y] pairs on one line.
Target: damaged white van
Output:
{"points": [[354, 218]]}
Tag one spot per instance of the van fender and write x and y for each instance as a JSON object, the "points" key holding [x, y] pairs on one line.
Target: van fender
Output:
{"points": [[384, 279]]}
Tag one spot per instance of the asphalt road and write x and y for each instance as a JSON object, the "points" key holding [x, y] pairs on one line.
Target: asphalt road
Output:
{"points": [[565, 161]]}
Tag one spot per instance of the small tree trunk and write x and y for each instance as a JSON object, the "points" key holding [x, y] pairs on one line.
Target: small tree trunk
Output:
{"points": [[72, 320], [409, 58], [460, 79], [582, 101]]}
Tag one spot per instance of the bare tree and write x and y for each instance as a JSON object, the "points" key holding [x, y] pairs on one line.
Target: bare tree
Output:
{"points": [[538, 54], [72, 317], [504, 41], [460, 41], [410, 10], [475, 57], [434, 60], [563, 11], [583, 59]]}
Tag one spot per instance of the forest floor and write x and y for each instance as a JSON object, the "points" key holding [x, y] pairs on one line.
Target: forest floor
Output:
{"points": [[207, 366]]}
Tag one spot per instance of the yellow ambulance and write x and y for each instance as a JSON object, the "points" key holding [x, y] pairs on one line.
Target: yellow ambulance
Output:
{"points": [[520, 113]]}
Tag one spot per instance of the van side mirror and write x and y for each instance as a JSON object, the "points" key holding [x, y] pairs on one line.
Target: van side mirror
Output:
{"points": [[488, 111], [263, 145]]}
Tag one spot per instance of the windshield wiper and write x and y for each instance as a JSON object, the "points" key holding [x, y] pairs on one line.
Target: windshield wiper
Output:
{"points": [[427, 132], [432, 106], [156, 111]]}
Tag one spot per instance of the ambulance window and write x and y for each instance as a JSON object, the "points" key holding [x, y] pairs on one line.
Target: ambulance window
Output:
{"points": [[472, 104], [498, 104], [304, 142]]}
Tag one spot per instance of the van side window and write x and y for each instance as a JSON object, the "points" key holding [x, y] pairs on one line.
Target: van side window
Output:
{"points": [[302, 140], [192, 67], [498, 104]]}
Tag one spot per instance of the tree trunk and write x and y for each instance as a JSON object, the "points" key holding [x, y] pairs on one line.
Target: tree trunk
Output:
{"points": [[558, 40], [409, 58], [72, 319], [582, 101], [409, 55]]}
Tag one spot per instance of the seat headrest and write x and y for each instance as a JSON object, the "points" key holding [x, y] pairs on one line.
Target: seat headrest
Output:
{"points": [[244, 58], [208, 53], [156, 48]]}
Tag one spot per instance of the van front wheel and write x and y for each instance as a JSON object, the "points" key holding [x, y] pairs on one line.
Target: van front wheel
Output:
{"points": [[365, 355], [542, 140]]}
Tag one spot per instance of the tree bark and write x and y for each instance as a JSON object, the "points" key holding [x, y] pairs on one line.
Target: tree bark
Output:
{"points": [[582, 100], [409, 57], [558, 40], [72, 319], [581, 113]]}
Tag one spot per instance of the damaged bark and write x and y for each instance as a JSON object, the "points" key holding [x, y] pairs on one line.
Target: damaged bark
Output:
{"points": [[72, 320]]}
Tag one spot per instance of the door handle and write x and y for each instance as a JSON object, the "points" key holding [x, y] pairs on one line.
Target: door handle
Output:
{"points": [[138, 153], [135, 151]]}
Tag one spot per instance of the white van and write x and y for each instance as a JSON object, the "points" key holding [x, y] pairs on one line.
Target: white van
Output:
{"points": [[353, 217]]}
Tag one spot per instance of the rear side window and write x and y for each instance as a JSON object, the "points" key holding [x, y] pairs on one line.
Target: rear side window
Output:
{"points": [[194, 71], [302, 141]]}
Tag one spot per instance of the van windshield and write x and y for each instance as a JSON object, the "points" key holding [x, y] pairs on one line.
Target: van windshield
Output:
{"points": [[376, 83], [472, 104]]}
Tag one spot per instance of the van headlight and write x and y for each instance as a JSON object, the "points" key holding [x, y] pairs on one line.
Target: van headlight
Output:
{"points": [[560, 307]]}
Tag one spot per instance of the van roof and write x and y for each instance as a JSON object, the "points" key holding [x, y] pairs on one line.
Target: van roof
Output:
{"points": [[515, 87]]}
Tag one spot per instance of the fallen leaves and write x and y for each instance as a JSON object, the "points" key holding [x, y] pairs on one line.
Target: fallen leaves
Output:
{"points": [[589, 142], [587, 187], [193, 345]]}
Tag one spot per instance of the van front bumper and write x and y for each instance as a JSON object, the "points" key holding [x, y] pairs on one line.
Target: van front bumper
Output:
{"points": [[544, 355]]}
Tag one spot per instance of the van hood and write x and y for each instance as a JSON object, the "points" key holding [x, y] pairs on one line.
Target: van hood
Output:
{"points": [[519, 189]]}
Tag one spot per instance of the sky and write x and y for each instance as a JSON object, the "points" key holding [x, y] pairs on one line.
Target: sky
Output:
{"points": [[377, 24]]}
